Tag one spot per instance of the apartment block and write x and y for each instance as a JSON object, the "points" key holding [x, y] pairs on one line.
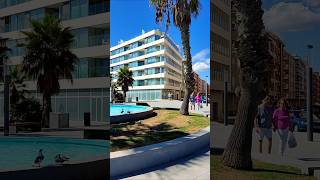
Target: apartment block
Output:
{"points": [[288, 77], [276, 50], [156, 63], [300, 82], [199, 85], [220, 45], [316, 87], [89, 22]]}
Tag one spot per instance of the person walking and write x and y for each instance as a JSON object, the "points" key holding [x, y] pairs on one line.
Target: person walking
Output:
{"points": [[192, 102], [282, 124], [263, 123], [198, 101]]}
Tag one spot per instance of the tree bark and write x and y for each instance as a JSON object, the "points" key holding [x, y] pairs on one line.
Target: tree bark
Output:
{"points": [[189, 79], [252, 52], [46, 110]]}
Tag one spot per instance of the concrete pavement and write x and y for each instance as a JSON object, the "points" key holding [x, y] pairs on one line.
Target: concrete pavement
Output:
{"points": [[194, 167]]}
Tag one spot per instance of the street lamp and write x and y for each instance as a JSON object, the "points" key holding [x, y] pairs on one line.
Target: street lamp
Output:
{"points": [[309, 96], [206, 90]]}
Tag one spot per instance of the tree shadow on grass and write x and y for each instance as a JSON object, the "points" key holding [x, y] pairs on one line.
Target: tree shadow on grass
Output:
{"points": [[136, 135], [219, 151], [274, 171]]}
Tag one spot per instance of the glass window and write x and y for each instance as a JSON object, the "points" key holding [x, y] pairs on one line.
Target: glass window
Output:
{"points": [[78, 8]]}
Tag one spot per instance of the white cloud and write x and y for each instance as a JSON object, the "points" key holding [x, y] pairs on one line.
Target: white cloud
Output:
{"points": [[201, 55], [284, 17], [201, 60], [312, 3], [200, 66]]}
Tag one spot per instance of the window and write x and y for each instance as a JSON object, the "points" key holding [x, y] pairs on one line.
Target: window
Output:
{"points": [[98, 6], [78, 8]]}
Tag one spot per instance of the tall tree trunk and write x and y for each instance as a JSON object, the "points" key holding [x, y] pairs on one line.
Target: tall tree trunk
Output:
{"points": [[252, 51], [46, 110], [238, 150], [189, 79], [124, 95]]}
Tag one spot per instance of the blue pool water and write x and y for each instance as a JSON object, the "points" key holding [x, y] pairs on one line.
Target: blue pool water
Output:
{"points": [[119, 109], [20, 152]]}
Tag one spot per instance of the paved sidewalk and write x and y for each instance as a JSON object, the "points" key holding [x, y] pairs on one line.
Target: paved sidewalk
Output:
{"points": [[306, 154], [195, 167], [175, 104]]}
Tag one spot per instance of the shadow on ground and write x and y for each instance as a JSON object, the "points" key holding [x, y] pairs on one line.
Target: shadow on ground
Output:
{"points": [[260, 169]]}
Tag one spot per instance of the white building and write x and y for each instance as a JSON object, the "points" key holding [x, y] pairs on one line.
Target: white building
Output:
{"points": [[89, 21], [156, 64]]}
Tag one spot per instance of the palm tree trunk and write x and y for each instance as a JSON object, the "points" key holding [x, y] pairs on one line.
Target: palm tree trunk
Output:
{"points": [[189, 79], [46, 110], [124, 95], [238, 150]]}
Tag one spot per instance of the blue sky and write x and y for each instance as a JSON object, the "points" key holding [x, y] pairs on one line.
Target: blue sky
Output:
{"points": [[129, 17], [297, 23]]}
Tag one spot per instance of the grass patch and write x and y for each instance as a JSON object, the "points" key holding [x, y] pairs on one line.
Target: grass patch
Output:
{"points": [[261, 171], [166, 125]]}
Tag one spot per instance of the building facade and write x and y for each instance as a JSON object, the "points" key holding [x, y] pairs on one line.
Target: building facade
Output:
{"points": [[89, 22], [300, 82], [220, 56], [287, 77], [156, 64], [276, 50], [316, 87]]}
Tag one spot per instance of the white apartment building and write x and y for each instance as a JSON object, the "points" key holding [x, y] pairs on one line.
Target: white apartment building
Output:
{"points": [[156, 64], [89, 22]]}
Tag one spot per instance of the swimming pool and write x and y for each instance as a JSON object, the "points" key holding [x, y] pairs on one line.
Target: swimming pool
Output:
{"points": [[121, 113], [120, 109], [20, 152]]}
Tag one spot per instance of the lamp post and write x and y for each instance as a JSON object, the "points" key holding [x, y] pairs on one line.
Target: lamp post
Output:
{"points": [[309, 96], [207, 91]]}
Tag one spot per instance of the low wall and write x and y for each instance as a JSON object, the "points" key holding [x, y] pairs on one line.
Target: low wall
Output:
{"points": [[130, 117], [133, 160], [95, 169]]}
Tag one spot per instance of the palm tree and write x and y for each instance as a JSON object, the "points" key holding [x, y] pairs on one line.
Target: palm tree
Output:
{"points": [[181, 12], [6, 78], [125, 80], [48, 58], [252, 53], [17, 85]]}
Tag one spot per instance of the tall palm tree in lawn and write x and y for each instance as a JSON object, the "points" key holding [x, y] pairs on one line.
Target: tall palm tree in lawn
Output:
{"points": [[48, 58], [181, 12], [252, 53], [125, 80]]}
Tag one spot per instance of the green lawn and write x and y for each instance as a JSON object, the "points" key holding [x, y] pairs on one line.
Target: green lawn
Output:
{"points": [[165, 125], [261, 171]]}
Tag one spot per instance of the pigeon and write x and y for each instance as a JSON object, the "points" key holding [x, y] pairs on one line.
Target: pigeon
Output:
{"points": [[39, 159], [59, 158]]}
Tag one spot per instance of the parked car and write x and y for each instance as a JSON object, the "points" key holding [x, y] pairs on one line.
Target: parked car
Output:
{"points": [[299, 122]]}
